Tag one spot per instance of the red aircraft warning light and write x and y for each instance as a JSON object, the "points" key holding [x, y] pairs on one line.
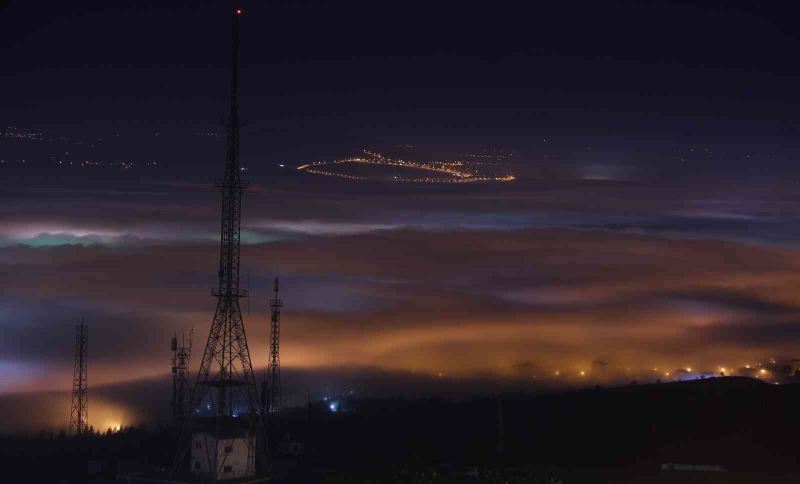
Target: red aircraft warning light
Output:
{"points": [[238, 11]]}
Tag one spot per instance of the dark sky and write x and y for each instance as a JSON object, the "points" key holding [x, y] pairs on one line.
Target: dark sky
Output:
{"points": [[316, 72], [653, 225]]}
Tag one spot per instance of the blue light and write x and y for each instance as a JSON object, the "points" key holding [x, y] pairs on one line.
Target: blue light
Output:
{"points": [[334, 406]]}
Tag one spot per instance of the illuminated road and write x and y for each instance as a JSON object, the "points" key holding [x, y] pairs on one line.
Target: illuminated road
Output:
{"points": [[451, 171]]}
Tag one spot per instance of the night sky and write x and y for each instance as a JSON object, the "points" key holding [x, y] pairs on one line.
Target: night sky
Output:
{"points": [[653, 225]]}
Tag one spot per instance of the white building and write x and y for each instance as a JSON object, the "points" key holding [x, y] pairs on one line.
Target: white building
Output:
{"points": [[232, 455]]}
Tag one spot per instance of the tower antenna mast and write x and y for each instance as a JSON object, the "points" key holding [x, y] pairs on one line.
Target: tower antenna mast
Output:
{"points": [[181, 355], [79, 413], [274, 366], [226, 416]]}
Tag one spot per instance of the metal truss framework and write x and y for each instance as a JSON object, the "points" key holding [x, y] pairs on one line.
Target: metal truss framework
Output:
{"points": [[181, 355], [274, 365], [225, 393], [79, 413]]}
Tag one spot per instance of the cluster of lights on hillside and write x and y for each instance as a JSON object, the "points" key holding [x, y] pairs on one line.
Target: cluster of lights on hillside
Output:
{"points": [[770, 372], [449, 171]]}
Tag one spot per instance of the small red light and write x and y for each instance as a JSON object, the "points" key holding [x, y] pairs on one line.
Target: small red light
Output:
{"points": [[238, 11]]}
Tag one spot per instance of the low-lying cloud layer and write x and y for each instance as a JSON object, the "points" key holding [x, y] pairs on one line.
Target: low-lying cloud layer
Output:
{"points": [[583, 281]]}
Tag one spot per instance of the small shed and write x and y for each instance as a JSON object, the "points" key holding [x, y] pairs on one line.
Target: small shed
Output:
{"points": [[231, 453]]}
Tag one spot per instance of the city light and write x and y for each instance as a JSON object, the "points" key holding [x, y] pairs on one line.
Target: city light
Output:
{"points": [[453, 171]]}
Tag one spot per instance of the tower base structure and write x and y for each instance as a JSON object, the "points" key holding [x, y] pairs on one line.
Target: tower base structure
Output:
{"points": [[224, 453]]}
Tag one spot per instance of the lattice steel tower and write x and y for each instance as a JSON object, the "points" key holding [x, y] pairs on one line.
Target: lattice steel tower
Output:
{"points": [[225, 402], [181, 354], [226, 372], [273, 375], [79, 414]]}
